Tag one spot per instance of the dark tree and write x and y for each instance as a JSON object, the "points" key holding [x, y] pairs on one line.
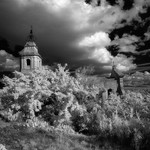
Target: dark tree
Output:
{"points": [[4, 45], [17, 49]]}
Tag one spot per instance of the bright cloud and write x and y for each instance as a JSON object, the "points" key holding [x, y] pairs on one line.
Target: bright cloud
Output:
{"points": [[99, 39], [57, 5], [97, 43], [127, 43], [123, 63], [101, 55], [7, 61], [128, 48], [3, 53]]}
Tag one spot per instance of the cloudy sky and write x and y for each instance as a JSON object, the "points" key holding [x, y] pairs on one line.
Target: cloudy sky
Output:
{"points": [[77, 32]]}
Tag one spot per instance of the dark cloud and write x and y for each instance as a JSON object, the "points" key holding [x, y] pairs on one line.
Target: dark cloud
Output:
{"points": [[60, 26], [95, 2], [52, 33], [88, 1], [137, 27], [55, 34], [125, 4], [112, 2], [145, 15], [4, 44], [113, 49], [128, 4]]}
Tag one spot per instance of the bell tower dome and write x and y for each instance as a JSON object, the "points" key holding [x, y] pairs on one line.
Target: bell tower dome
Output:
{"points": [[30, 58]]}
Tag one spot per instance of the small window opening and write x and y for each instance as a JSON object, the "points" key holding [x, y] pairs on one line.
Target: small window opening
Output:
{"points": [[28, 62], [109, 92]]}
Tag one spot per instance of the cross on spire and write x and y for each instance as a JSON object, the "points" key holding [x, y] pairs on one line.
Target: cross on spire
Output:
{"points": [[31, 36]]}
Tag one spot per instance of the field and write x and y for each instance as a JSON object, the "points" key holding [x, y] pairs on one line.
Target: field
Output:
{"points": [[16, 137], [21, 138]]}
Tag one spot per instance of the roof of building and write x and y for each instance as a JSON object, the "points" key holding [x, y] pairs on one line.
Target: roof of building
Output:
{"points": [[115, 73], [30, 48]]}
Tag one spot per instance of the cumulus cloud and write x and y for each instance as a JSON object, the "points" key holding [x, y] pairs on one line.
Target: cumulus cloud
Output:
{"points": [[128, 49], [80, 15], [8, 62], [101, 55], [128, 11], [127, 43], [99, 39], [59, 4], [123, 63], [97, 43], [55, 5], [128, 39]]}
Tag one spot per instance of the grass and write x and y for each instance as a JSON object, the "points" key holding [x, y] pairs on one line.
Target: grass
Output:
{"points": [[115, 133], [15, 137]]}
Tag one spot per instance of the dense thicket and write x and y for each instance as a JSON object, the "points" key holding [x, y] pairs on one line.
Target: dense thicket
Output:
{"points": [[54, 98]]}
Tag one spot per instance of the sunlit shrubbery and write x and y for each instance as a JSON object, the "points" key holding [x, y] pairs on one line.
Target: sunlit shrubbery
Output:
{"points": [[54, 97], [131, 105], [45, 94], [2, 147]]}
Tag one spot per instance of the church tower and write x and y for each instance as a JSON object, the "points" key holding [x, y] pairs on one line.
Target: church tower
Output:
{"points": [[118, 76], [30, 58]]}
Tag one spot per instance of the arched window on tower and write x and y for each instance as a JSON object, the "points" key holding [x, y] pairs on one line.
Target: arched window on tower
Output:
{"points": [[109, 91], [28, 62]]}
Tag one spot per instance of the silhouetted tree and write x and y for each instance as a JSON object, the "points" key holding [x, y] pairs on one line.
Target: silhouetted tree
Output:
{"points": [[17, 49], [4, 45]]}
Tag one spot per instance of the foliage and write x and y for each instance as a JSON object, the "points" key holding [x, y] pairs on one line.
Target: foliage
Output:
{"points": [[124, 120], [43, 94], [86, 70], [2, 147], [138, 79], [90, 82], [53, 99], [27, 138]]}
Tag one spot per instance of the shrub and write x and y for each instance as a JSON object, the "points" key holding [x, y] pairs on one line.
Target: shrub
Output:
{"points": [[47, 94], [53, 97], [2, 147]]}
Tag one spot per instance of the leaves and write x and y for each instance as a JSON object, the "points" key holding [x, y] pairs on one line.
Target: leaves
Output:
{"points": [[42, 92]]}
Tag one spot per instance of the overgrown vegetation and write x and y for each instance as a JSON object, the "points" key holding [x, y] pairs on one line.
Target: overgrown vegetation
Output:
{"points": [[52, 101], [138, 79]]}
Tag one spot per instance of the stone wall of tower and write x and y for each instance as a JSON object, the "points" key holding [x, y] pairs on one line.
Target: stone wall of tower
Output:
{"points": [[111, 84], [122, 85], [35, 63]]}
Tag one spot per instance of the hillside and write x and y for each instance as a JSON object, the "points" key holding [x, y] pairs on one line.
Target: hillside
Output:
{"points": [[15, 137], [52, 110]]}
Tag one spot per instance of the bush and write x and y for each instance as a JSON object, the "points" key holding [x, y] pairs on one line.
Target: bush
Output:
{"points": [[48, 95], [53, 97], [2, 147]]}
